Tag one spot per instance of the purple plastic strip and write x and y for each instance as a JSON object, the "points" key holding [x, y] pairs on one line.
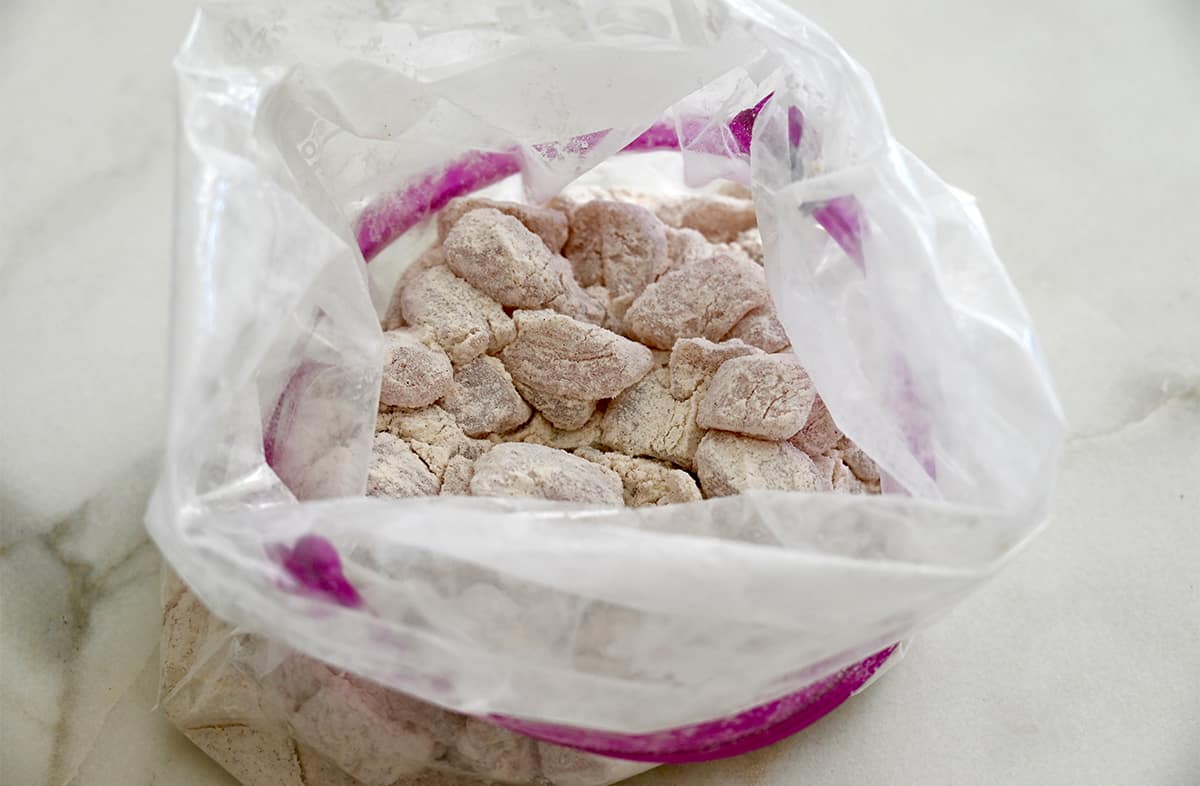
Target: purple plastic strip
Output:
{"points": [[842, 219], [313, 561], [386, 219], [284, 414], [315, 564], [795, 125], [390, 216], [718, 739], [659, 136], [742, 124]]}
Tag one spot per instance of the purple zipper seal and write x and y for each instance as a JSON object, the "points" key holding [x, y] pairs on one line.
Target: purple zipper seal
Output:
{"points": [[390, 216], [717, 739], [313, 562]]}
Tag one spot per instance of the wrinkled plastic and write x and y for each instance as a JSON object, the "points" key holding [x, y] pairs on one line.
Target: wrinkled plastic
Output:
{"points": [[274, 716], [304, 128]]}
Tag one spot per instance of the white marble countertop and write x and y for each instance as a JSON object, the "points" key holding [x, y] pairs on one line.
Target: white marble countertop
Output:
{"points": [[1074, 124]]}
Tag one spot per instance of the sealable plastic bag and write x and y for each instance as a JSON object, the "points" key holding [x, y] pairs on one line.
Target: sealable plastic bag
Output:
{"points": [[317, 137]]}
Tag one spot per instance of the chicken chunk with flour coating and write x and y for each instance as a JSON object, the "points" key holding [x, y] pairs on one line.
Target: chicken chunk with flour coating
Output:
{"points": [[416, 372], [432, 433], [719, 218], [396, 471], [563, 412], [465, 322], [765, 396], [819, 433], [647, 420], [483, 400], [527, 470], [497, 255], [540, 431], [619, 245], [694, 360], [555, 354], [729, 464], [646, 481], [703, 300], [761, 328], [548, 224]]}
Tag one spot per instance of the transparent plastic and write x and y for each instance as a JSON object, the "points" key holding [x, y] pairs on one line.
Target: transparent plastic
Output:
{"points": [[317, 136]]}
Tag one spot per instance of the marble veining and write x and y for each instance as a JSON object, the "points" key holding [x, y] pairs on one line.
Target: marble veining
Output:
{"points": [[1075, 666], [77, 600]]}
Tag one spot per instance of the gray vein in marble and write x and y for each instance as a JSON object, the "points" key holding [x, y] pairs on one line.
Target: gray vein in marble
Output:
{"points": [[95, 572], [1103, 254], [84, 592], [1189, 392]]}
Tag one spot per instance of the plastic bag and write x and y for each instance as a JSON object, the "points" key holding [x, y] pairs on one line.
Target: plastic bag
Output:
{"points": [[316, 137]]}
